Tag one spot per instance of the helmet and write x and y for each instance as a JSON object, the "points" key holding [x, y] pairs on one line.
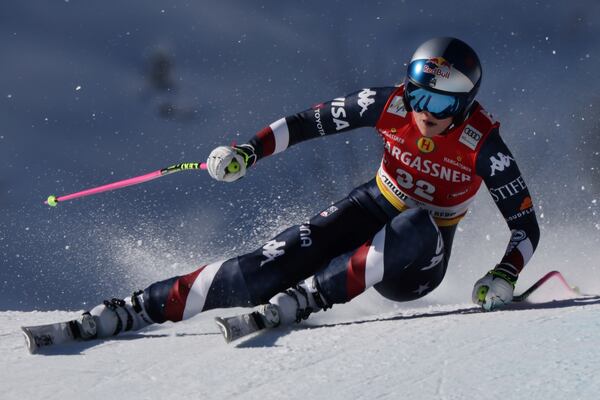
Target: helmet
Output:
{"points": [[443, 78]]}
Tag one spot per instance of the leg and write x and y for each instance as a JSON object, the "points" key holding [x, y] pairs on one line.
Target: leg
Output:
{"points": [[300, 251], [252, 279], [404, 261]]}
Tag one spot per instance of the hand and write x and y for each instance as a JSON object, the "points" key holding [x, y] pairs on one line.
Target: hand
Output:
{"points": [[226, 164], [494, 290]]}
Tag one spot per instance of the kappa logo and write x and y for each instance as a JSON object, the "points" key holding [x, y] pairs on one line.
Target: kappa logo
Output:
{"points": [[396, 107], [470, 137], [500, 163], [272, 250], [365, 100]]}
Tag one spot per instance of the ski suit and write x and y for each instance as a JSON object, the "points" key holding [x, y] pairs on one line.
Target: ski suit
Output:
{"points": [[396, 229]]}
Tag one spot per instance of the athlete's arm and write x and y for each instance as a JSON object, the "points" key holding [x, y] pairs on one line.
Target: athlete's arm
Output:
{"points": [[498, 169], [356, 110]]}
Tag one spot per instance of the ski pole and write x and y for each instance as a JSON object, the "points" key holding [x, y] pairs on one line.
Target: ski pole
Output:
{"points": [[54, 200], [543, 280]]}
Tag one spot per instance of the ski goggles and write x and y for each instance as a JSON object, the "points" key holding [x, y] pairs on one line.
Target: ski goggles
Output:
{"points": [[439, 105]]}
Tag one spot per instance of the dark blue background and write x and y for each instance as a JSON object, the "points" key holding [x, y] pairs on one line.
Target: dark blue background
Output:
{"points": [[82, 104]]}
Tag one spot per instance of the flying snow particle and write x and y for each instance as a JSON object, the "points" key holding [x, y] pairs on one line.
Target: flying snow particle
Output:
{"points": [[78, 88]]}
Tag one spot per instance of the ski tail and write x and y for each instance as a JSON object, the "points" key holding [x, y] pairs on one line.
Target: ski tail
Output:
{"points": [[40, 337], [30, 342]]}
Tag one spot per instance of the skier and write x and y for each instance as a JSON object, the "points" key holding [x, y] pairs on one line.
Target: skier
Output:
{"points": [[439, 145]]}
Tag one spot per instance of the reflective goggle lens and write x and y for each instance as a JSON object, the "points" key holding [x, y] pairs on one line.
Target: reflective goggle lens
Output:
{"points": [[439, 105]]}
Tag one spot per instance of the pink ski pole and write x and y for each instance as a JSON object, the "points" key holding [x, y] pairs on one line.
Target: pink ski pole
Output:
{"points": [[543, 280], [54, 200]]}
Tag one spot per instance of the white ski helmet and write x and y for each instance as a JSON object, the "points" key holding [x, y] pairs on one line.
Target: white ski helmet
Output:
{"points": [[443, 78]]}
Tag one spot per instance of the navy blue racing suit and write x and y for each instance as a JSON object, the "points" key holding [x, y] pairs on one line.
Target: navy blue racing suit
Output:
{"points": [[394, 232]]}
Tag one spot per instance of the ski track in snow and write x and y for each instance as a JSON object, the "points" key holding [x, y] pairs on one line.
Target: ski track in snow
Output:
{"points": [[547, 351]]}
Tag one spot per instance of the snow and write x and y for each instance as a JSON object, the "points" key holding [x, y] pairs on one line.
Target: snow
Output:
{"points": [[547, 350]]}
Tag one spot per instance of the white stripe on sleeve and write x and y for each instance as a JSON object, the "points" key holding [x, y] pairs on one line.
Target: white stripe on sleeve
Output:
{"points": [[281, 134]]}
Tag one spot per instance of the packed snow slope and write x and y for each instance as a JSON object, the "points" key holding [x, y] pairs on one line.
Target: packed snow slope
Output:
{"points": [[547, 350]]}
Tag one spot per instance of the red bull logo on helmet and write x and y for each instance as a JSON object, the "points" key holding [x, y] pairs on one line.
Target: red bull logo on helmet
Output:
{"points": [[437, 66]]}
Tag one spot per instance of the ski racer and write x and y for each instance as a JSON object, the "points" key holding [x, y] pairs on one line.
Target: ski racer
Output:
{"points": [[439, 145]]}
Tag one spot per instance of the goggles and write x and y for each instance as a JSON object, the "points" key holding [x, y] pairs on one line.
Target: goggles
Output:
{"points": [[439, 105]]}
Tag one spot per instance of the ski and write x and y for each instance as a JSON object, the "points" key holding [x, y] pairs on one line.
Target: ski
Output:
{"points": [[238, 326], [42, 336], [242, 325]]}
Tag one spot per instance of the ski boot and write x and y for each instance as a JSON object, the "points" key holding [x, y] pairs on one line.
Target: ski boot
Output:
{"points": [[105, 320], [298, 302], [116, 316], [293, 305]]}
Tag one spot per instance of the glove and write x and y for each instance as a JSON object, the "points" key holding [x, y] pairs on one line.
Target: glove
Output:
{"points": [[495, 289], [229, 163]]}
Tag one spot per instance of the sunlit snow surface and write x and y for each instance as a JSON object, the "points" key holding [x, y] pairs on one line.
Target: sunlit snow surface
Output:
{"points": [[536, 352]]}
